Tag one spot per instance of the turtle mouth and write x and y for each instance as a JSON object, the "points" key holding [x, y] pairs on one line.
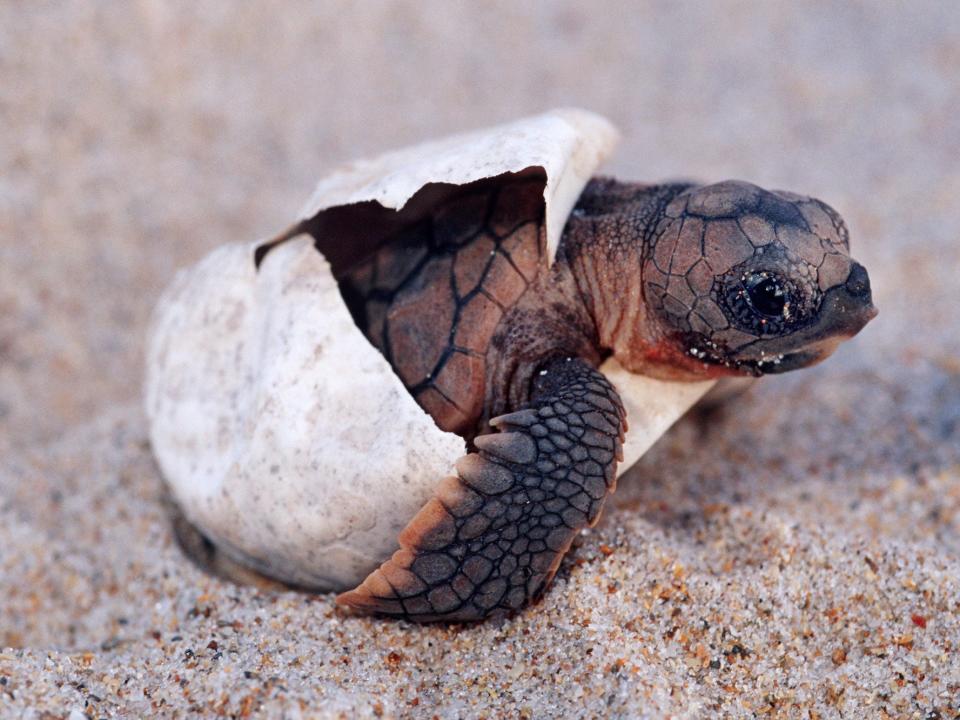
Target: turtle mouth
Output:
{"points": [[778, 363], [794, 361]]}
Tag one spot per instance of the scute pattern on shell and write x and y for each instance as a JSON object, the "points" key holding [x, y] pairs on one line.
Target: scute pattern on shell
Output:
{"points": [[434, 295]]}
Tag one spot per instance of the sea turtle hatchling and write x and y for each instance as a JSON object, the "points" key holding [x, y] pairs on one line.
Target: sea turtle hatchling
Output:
{"points": [[501, 344], [676, 281]]}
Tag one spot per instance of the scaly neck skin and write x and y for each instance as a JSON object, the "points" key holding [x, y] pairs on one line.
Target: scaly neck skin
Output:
{"points": [[611, 233], [591, 302], [607, 277]]}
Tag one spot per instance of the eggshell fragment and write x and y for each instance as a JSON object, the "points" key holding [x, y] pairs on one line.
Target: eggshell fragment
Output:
{"points": [[652, 407], [567, 144], [282, 433]]}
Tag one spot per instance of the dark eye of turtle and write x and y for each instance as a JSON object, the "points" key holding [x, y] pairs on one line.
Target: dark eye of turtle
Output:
{"points": [[767, 295]]}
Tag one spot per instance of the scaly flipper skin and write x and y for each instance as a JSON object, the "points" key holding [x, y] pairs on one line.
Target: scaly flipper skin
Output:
{"points": [[492, 537]]}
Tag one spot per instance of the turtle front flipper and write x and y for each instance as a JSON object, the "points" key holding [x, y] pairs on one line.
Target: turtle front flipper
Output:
{"points": [[492, 537]]}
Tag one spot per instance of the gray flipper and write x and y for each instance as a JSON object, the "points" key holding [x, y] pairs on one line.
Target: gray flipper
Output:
{"points": [[492, 537]]}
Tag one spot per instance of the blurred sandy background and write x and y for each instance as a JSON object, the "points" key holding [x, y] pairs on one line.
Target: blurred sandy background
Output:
{"points": [[136, 136]]}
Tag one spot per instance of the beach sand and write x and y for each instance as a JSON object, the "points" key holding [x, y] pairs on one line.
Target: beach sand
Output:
{"points": [[795, 554]]}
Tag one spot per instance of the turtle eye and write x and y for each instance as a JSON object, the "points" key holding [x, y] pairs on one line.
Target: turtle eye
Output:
{"points": [[767, 294]]}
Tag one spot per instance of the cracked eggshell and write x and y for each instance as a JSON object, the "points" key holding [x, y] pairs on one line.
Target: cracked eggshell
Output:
{"points": [[284, 436], [566, 144]]}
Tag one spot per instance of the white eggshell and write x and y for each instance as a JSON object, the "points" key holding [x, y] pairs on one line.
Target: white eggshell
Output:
{"points": [[283, 434], [652, 407], [569, 144]]}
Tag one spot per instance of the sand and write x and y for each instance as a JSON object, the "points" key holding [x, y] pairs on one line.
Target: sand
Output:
{"points": [[795, 555]]}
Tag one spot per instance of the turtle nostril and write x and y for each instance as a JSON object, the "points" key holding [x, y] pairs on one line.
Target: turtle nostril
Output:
{"points": [[858, 282]]}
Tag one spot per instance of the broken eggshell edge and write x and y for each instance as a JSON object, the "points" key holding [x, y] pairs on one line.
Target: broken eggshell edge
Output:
{"points": [[290, 444], [283, 434], [569, 144]]}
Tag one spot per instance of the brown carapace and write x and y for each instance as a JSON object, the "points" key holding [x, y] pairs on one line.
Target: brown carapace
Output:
{"points": [[501, 346]]}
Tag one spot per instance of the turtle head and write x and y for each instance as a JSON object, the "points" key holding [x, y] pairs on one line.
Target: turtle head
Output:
{"points": [[745, 281]]}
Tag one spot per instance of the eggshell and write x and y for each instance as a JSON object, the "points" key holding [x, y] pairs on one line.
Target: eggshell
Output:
{"points": [[652, 407], [568, 144], [282, 433]]}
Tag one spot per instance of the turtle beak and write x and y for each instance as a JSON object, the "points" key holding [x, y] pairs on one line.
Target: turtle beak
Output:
{"points": [[850, 307], [844, 311]]}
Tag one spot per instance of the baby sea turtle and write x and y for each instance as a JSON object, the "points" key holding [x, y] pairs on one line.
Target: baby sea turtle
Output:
{"points": [[525, 306], [676, 281]]}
